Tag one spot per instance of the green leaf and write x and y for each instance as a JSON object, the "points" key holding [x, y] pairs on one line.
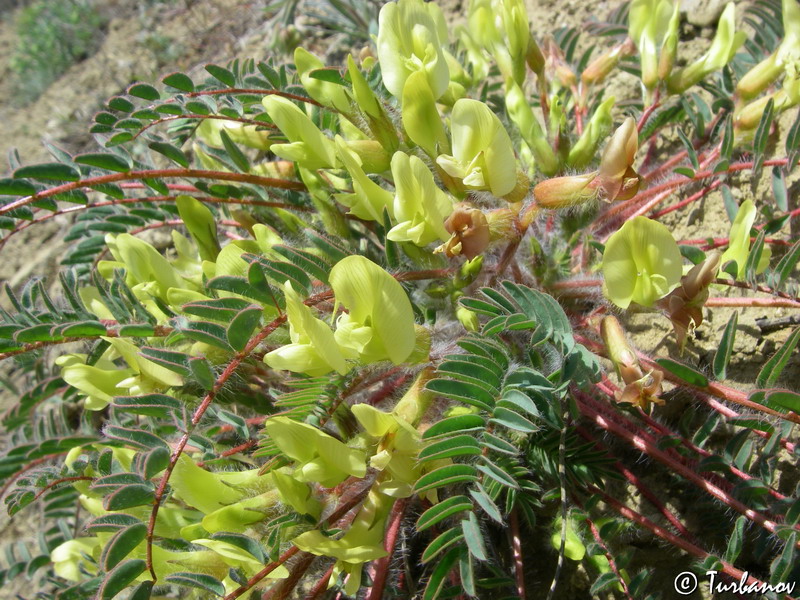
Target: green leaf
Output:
{"points": [[454, 424], [244, 542], [142, 591], [14, 187], [200, 581], [122, 544], [153, 405], [754, 258], [783, 400], [486, 503], [174, 361], [179, 81], [473, 537], [219, 309], [173, 153], [202, 372], [787, 264], [153, 462], [137, 330], [779, 189], [446, 508], [773, 368], [460, 445], [602, 583], [119, 138], [793, 144], [723, 355], [128, 496], [467, 393], [222, 75], [208, 333], [689, 149], [760, 141], [329, 74], [499, 475], [121, 577], [279, 272], [237, 156], [445, 476], [242, 326], [83, 329], [498, 444], [735, 542], [110, 162], [144, 91], [245, 287], [440, 573], [442, 542], [782, 567], [512, 420], [48, 172], [310, 263], [121, 104], [110, 523], [36, 333], [138, 438], [683, 372]]}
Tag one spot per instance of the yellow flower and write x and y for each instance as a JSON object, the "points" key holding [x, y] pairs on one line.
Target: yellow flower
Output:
{"points": [[641, 263]]}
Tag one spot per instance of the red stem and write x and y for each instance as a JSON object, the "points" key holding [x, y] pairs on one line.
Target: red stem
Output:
{"points": [[198, 415], [638, 442], [158, 331], [31, 465], [155, 174], [382, 564], [337, 515], [321, 586], [685, 545]]}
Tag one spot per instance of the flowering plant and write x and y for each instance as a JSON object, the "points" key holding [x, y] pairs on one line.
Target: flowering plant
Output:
{"points": [[394, 347]]}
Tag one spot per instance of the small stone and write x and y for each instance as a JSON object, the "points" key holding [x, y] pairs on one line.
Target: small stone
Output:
{"points": [[703, 13]]}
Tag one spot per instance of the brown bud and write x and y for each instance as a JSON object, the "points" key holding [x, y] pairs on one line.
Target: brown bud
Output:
{"points": [[640, 388], [618, 180], [683, 305], [470, 232]]}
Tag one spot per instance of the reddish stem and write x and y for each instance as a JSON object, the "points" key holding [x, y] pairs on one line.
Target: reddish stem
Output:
{"points": [[321, 586], [31, 465], [673, 539], [337, 515], [158, 331], [390, 542], [60, 481], [155, 174], [638, 442]]}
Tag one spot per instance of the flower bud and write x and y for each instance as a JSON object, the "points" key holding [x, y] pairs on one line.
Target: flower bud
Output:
{"points": [[468, 272], [601, 66], [468, 319], [617, 179], [640, 389], [598, 127], [565, 192]]}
